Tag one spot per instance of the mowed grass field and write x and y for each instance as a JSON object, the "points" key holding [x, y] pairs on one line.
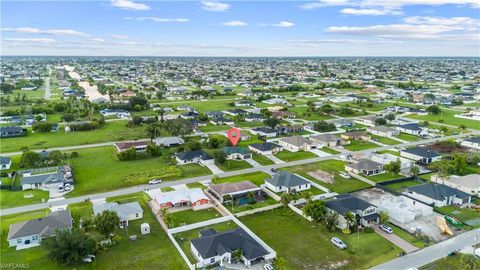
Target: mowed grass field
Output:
{"points": [[98, 170], [448, 117], [306, 245], [111, 131]]}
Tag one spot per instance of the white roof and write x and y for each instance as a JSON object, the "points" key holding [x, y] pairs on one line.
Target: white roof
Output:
{"points": [[189, 195], [469, 181]]}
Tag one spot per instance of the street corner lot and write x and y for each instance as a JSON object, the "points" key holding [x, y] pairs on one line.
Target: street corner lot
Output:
{"points": [[306, 245], [332, 167], [427, 224]]}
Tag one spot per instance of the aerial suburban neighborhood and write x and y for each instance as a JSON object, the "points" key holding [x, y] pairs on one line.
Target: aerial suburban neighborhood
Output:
{"points": [[136, 161]]}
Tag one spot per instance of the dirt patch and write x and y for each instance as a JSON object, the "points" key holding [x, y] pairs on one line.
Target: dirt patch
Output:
{"points": [[323, 176], [448, 147]]}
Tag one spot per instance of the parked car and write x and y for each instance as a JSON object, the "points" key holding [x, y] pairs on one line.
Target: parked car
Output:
{"points": [[89, 258], [268, 267], [60, 188], [338, 243], [154, 181], [67, 187], [386, 228], [344, 175]]}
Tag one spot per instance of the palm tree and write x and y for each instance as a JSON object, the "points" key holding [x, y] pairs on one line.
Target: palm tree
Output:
{"points": [[161, 112], [331, 221], [444, 130], [384, 217], [285, 199], [414, 171], [350, 219], [307, 195], [167, 218], [280, 263], [462, 127]]}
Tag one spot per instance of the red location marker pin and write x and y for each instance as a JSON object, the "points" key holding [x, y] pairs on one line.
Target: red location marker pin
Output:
{"points": [[233, 135]]}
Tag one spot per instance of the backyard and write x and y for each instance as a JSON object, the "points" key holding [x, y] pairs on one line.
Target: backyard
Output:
{"points": [[298, 236], [401, 186], [190, 216], [385, 176]]}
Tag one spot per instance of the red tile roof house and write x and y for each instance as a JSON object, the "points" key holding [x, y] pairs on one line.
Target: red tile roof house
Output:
{"points": [[194, 198], [140, 146]]}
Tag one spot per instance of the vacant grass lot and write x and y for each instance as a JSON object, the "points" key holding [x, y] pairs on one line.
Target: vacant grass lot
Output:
{"points": [[454, 262], [340, 184], [288, 156], [306, 245], [190, 216], [98, 170], [448, 118], [258, 178], [385, 140], [263, 160], [10, 198], [234, 165], [111, 131], [358, 145]]}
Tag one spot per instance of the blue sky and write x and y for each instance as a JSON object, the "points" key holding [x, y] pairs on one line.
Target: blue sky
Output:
{"points": [[242, 28]]}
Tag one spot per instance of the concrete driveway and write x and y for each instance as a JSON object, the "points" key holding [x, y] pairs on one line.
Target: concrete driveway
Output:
{"points": [[252, 162], [319, 153], [275, 159], [214, 169], [396, 240]]}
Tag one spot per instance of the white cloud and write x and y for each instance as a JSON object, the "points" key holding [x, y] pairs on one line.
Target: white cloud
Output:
{"points": [[115, 36], [157, 19], [470, 24], [370, 11], [96, 40], [234, 23], [326, 3], [284, 24], [32, 40], [55, 32], [387, 4], [128, 4], [215, 6]]}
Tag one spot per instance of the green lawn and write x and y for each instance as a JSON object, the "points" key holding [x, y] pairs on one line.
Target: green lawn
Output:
{"points": [[329, 150], [195, 185], [401, 186], [210, 128], [10, 198], [340, 184], [263, 160], [407, 236], [190, 216], [112, 131], [258, 178], [183, 238], [384, 177], [234, 165], [384, 140], [358, 145], [462, 214], [98, 170], [238, 209], [306, 245], [453, 262], [448, 117], [407, 137], [288, 156]]}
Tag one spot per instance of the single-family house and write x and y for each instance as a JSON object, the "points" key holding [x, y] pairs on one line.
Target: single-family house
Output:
{"points": [[355, 135], [366, 214], [29, 233], [383, 131], [235, 112], [472, 142], [12, 131], [243, 103], [125, 211], [189, 115], [283, 115], [468, 183], [140, 146], [296, 143], [62, 176], [194, 198], [214, 247], [384, 159], [421, 154], [342, 123], [274, 101], [214, 114], [169, 141], [438, 194], [265, 132], [5, 163], [365, 166], [199, 156], [237, 153], [287, 182], [254, 117], [236, 192], [412, 128], [370, 120], [325, 140], [244, 136], [265, 149], [221, 121]]}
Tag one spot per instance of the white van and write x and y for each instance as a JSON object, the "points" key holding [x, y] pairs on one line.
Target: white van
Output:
{"points": [[338, 243]]}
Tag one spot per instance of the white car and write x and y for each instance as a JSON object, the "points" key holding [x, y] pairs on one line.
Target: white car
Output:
{"points": [[344, 175], [386, 228], [67, 187], [338, 243], [89, 258], [154, 181], [60, 188], [268, 267]]}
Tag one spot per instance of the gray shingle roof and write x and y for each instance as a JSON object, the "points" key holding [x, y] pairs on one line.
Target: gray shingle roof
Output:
{"points": [[264, 146], [438, 191], [347, 203], [44, 227], [193, 154], [123, 210], [287, 179], [422, 151], [365, 164], [212, 244], [43, 178]]}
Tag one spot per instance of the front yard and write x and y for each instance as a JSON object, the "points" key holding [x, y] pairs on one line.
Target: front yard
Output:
{"points": [[263, 160], [385, 140], [306, 245], [258, 178], [407, 137], [234, 165], [358, 145], [10, 198]]}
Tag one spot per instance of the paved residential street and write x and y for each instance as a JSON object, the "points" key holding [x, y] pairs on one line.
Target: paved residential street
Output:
{"points": [[47, 85], [432, 253]]}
